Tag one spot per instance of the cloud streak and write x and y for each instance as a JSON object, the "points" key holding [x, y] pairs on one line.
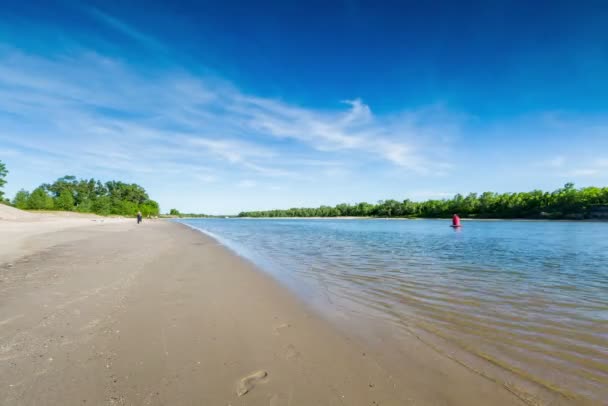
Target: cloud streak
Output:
{"points": [[399, 139], [124, 29], [104, 113]]}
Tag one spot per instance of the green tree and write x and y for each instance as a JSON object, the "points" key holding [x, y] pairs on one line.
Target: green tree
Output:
{"points": [[40, 200], [364, 209], [20, 200], [67, 182], [102, 205], [90, 195], [174, 212], [65, 200], [3, 173], [149, 208]]}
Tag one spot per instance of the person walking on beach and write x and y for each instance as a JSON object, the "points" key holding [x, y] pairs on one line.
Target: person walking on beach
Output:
{"points": [[139, 217]]}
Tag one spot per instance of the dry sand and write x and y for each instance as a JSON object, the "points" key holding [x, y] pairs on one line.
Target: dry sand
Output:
{"points": [[23, 232], [116, 313]]}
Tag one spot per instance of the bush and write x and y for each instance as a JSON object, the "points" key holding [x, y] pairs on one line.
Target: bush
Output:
{"points": [[65, 201], [40, 200], [21, 199]]}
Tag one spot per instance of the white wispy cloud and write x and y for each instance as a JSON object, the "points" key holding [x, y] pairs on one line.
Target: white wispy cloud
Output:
{"points": [[104, 113], [231, 150], [573, 169], [592, 169], [583, 172], [124, 28], [602, 163], [556, 162], [247, 183], [399, 139]]}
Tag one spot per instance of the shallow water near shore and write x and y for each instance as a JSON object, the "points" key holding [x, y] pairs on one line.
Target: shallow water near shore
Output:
{"points": [[528, 297]]}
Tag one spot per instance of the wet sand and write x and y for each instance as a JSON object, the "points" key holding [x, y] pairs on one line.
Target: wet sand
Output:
{"points": [[159, 314]]}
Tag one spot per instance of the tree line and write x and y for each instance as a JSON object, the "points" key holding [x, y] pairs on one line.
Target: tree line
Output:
{"points": [[564, 203], [88, 196], [177, 213]]}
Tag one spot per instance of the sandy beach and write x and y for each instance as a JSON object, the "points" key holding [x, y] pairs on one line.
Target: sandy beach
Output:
{"points": [[115, 313]]}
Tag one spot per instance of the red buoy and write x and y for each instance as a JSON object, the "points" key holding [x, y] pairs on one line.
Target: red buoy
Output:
{"points": [[456, 221]]}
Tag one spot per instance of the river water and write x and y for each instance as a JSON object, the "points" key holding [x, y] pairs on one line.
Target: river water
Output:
{"points": [[528, 297]]}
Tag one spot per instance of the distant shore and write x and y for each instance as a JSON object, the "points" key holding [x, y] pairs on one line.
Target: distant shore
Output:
{"points": [[411, 218]]}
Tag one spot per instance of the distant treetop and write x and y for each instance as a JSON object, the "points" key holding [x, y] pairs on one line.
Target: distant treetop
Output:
{"points": [[565, 203]]}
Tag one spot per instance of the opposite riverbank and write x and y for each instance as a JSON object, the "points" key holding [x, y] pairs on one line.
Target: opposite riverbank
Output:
{"points": [[116, 313], [446, 219]]}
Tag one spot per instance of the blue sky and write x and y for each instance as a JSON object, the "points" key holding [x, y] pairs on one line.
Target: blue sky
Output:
{"points": [[219, 107]]}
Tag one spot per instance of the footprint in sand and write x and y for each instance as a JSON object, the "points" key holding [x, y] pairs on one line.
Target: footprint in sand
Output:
{"points": [[291, 352], [277, 329], [248, 383]]}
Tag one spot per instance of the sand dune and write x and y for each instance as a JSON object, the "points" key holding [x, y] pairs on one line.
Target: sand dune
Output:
{"points": [[11, 213], [23, 232]]}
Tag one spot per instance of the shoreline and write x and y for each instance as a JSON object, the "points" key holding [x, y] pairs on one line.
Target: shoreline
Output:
{"points": [[529, 388], [409, 219], [161, 314]]}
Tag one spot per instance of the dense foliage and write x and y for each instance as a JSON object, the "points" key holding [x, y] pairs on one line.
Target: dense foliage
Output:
{"points": [[177, 213], [3, 173], [88, 196], [564, 203]]}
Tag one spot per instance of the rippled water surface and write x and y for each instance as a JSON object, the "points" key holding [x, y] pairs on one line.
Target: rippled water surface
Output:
{"points": [[530, 297]]}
